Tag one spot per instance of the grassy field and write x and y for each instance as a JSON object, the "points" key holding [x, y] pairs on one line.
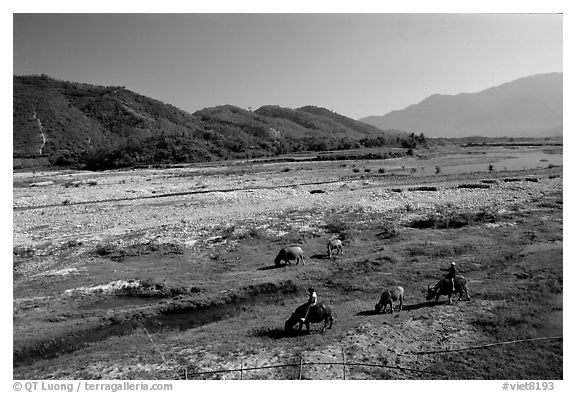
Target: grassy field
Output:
{"points": [[144, 274]]}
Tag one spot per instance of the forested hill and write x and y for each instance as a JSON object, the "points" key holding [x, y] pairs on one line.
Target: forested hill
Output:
{"points": [[109, 126]]}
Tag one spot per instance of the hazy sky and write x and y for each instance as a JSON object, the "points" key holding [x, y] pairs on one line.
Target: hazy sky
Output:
{"points": [[355, 64]]}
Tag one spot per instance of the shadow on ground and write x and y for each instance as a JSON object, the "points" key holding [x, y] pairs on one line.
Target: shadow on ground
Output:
{"points": [[271, 267], [405, 307], [417, 306], [279, 333], [369, 312]]}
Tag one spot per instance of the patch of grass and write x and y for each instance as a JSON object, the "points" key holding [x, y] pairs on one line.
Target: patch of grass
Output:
{"points": [[72, 243], [23, 251], [551, 204], [492, 324], [109, 251], [271, 287], [438, 250], [387, 230], [72, 183], [118, 253], [336, 225], [409, 208], [231, 232], [446, 217], [255, 233], [506, 322], [226, 232], [150, 288]]}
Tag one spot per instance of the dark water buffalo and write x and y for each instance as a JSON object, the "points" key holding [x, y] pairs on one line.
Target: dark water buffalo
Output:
{"points": [[288, 254], [335, 247], [320, 312], [444, 288], [388, 297]]}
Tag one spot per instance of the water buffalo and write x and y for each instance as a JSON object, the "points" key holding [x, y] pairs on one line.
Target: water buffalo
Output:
{"points": [[288, 254], [335, 245], [320, 312], [444, 288], [388, 297]]}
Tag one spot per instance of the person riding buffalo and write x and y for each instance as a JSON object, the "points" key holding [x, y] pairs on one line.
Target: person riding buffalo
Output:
{"points": [[312, 299], [451, 274]]}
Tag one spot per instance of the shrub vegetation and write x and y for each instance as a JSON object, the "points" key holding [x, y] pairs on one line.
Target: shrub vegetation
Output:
{"points": [[105, 127]]}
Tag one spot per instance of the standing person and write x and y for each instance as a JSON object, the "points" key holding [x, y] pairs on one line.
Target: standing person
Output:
{"points": [[312, 299], [451, 274]]}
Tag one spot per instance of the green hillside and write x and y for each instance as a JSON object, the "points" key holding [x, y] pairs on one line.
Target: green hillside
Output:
{"points": [[108, 126], [362, 129]]}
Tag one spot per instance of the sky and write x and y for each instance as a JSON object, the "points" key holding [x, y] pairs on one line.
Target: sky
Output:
{"points": [[355, 64]]}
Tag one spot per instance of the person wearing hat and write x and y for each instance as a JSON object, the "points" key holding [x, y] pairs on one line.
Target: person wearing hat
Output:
{"points": [[451, 274], [312, 299]]}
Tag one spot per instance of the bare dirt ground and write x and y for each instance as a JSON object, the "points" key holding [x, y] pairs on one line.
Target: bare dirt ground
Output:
{"points": [[145, 273]]}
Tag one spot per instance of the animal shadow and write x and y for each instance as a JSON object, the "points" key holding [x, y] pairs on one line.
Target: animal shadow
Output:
{"points": [[405, 307], [320, 256], [374, 312], [410, 307], [271, 267], [279, 333], [369, 312]]}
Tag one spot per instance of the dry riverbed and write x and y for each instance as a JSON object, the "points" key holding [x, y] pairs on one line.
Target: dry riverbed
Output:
{"points": [[111, 268]]}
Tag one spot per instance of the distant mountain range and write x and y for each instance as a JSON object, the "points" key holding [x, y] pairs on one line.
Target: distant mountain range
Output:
{"points": [[526, 107], [79, 123]]}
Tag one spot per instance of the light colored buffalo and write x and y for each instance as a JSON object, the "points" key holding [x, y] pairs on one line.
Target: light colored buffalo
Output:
{"points": [[335, 247], [288, 254], [388, 297]]}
